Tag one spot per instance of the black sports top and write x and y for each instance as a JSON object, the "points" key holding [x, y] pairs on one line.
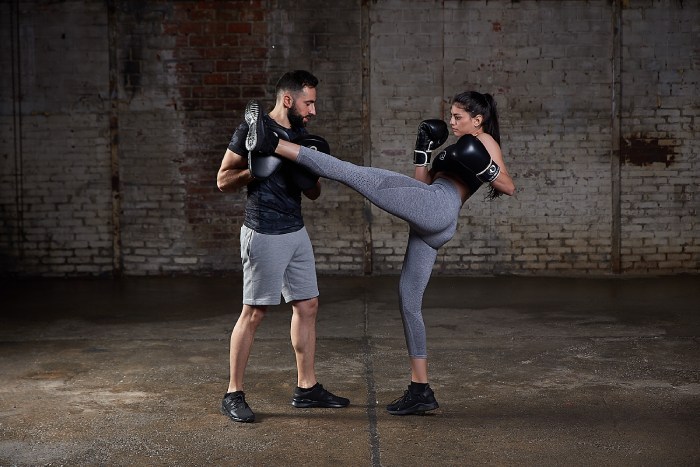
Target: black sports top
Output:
{"points": [[273, 205]]}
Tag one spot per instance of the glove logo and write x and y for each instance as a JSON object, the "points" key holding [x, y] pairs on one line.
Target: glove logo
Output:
{"points": [[442, 155]]}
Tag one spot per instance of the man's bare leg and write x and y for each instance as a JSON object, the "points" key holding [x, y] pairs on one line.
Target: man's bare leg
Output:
{"points": [[303, 335]]}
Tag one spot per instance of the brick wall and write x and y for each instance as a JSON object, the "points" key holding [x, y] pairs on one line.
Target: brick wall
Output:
{"points": [[660, 201], [55, 194], [115, 115]]}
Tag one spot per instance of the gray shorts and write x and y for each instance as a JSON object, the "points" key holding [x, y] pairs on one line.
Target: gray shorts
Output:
{"points": [[275, 265]]}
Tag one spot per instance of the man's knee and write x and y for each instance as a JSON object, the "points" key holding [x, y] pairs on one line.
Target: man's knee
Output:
{"points": [[306, 308], [253, 315]]}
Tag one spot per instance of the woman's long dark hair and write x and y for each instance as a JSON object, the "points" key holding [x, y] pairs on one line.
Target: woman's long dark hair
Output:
{"points": [[475, 104]]}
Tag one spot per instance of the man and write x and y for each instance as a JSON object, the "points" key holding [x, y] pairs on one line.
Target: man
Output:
{"points": [[276, 250]]}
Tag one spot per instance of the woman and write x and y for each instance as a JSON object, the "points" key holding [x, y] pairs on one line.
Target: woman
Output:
{"points": [[430, 203]]}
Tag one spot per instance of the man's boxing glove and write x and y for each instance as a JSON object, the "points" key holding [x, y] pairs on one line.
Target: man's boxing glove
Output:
{"points": [[261, 165], [431, 135], [314, 142], [469, 152], [303, 177]]}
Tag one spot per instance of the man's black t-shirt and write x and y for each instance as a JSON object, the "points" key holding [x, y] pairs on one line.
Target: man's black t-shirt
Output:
{"points": [[273, 205]]}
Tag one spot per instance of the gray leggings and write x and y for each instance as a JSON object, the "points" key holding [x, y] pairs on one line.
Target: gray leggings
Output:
{"points": [[431, 212]]}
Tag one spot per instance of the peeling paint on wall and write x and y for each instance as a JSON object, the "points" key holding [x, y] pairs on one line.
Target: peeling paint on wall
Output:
{"points": [[646, 151]]}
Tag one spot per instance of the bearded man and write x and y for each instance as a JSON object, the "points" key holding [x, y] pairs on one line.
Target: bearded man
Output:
{"points": [[276, 251]]}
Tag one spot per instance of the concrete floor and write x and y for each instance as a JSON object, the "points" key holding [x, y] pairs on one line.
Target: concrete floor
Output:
{"points": [[528, 371]]}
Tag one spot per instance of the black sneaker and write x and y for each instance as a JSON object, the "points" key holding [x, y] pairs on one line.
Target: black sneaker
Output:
{"points": [[317, 397], [235, 406], [411, 403], [259, 139]]}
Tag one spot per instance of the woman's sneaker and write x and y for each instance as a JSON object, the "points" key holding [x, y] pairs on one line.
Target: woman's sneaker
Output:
{"points": [[411, 403], [259, 138], [235, 406], [317, 396]]}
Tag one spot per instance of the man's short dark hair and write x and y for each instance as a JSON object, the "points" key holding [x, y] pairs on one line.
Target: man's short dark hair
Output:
{"points": [[295, 81]]}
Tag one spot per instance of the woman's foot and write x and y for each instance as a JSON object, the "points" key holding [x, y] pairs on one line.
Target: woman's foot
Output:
{"points": [[260, 138], [413, 403]]}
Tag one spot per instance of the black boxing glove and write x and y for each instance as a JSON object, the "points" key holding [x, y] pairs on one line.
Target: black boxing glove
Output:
{"points": [[446, 161], [469, 152], [431, 135], [302, 176], [261, 165], [314, 142]]}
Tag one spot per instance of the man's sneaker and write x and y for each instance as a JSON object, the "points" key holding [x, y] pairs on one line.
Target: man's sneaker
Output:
{"points": [[259, 138], [235, 406], [411, 403], [317, 397]]}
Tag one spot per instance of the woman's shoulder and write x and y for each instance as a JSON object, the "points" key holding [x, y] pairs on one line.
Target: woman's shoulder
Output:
{"points": [[486, 138], [490, 144]]}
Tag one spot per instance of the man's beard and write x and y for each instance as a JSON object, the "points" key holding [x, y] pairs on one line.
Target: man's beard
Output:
{"points": [[295, 118]]}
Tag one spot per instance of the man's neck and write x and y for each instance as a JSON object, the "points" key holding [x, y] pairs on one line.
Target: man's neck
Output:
{"points": [[279, 114]]}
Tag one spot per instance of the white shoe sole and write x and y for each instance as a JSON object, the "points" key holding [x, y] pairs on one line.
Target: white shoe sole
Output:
{"points": [[252, 112]]}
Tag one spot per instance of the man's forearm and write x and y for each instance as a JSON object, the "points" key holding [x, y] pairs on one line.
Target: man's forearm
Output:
{"points": [[233, 180]]}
